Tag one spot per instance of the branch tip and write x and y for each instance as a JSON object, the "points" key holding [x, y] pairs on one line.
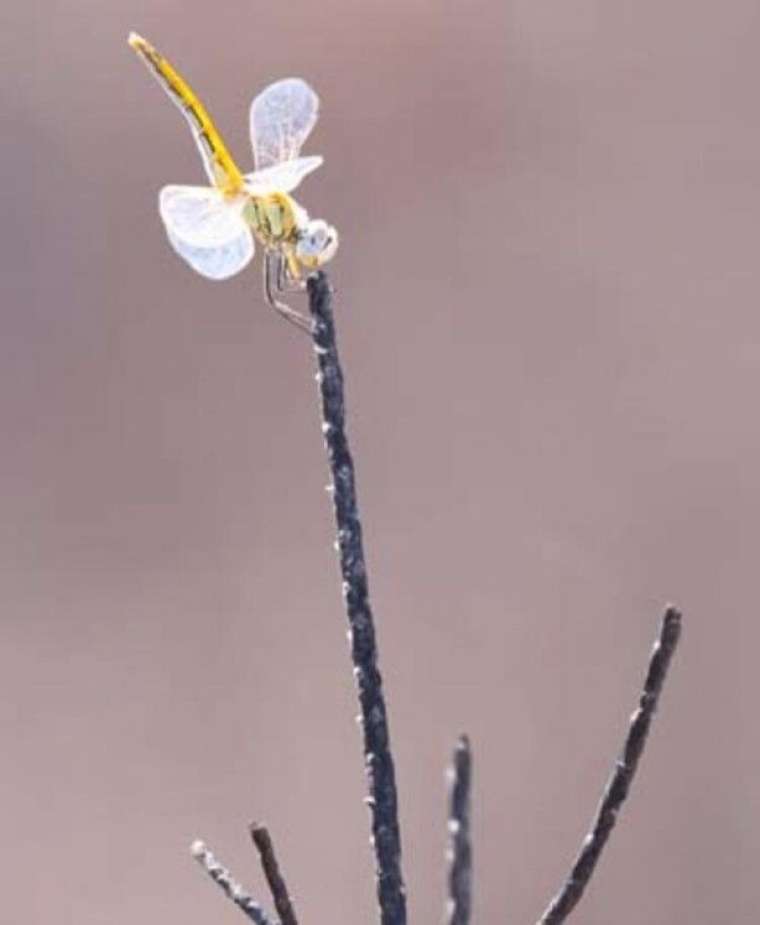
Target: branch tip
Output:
{"points": [[277, 886], [459, 848], [619, 782], [230, 887]]}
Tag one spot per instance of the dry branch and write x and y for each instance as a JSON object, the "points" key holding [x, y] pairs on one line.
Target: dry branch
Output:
{"points": [[378, 761], [622, 775]]}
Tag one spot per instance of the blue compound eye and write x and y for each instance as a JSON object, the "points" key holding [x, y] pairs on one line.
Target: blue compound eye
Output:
{"points": [[317, 244]]}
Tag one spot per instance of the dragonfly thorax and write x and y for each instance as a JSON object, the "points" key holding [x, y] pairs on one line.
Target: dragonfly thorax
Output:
{"points": [[275, 219], [279, 223]]}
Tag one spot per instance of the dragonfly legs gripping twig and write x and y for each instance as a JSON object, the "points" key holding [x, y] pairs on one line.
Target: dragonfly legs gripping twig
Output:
{"points": [[277, 280]]}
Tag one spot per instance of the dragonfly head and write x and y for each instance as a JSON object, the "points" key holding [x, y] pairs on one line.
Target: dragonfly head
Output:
{"points": [[317, 243]]}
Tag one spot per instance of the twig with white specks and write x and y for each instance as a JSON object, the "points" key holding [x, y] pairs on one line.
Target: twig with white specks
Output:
{"points": [[382, 800], [459, 852], [622, 776], [222, 877]]}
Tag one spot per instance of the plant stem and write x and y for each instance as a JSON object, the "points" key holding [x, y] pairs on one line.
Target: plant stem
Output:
{"points": [[622, 775], [222, 877], [277, 885], [459, 852], [383, 802]]}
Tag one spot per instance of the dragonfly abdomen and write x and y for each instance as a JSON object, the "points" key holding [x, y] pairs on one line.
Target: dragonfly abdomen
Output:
{"points": [[221, 168]]}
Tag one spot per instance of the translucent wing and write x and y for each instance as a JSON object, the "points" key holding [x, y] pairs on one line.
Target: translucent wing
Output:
{"points": [[281, 118], [283, 177], [218, 262], [206, 229]]}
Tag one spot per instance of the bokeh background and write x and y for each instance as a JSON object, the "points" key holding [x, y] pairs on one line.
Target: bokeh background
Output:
{"points": [[548, 306]]}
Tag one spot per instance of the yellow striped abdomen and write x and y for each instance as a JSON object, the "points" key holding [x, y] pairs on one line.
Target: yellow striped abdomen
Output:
{"points": [[220, 167]]}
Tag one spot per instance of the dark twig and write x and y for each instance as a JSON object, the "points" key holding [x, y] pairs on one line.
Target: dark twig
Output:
{"points": [[382, 800], [459, 852], [277, 886], [222, 877], [620, 781]]}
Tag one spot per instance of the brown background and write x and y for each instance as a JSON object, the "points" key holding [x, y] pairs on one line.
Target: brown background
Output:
{"points": [[549, 316]]}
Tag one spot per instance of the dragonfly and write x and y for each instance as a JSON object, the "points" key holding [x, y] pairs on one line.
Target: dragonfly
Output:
{"points": [[214, 228]]}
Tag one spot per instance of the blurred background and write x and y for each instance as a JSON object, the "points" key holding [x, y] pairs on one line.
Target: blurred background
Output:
{"points": [[548, 309]]}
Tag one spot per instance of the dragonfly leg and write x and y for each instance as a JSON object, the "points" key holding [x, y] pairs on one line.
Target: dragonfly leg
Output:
{"points": [[282, 274], [289, 277], [271, 276]]}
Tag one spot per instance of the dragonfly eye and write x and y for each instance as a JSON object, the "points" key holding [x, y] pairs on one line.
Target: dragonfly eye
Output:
{"points": [[317, 243]]}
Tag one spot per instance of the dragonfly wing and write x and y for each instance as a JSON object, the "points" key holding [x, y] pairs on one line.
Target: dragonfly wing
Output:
{"points": [[206, 229], [283, 177], [218, 262], [282, 116]]}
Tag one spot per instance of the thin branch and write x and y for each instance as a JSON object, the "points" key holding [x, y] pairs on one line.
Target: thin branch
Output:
{"points": [[459, 853], [622, 776], [277, 886], [222, 877], [383, 802]]}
